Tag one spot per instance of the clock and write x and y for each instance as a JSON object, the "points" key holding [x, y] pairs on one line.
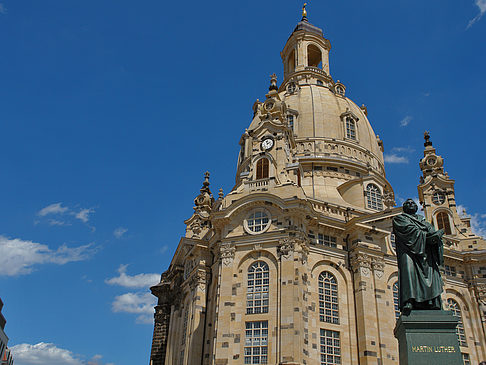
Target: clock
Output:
{"points": [[431, 161], [267, 144]]}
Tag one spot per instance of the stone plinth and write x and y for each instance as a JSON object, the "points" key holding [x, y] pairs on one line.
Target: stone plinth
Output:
{"points": [[428, 337]]}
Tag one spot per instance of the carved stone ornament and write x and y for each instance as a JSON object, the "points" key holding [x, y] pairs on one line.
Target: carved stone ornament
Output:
{"points": [[378, 267], [286, 247], [227, 253], [481, 292], [361, 263], [389, 199], [198, 280]]}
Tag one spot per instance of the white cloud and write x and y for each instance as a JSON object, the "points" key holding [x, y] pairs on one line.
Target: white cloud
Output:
{"points": [[18, 257], [406, 121], [58, 209], [119, 232], [136, 281], [478, 224], [481, 4], [83, 214], [3, 9], [407, 149], [55, 208], [43, 354], [57, 222], [164, 249], [137, 303], [49, 354], [393, 158]]}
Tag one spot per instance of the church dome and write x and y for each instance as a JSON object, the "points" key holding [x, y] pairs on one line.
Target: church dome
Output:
{"points": [[324, 115], [340, 157]]}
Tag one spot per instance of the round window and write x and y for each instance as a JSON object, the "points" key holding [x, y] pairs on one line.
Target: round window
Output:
{"points": [[438, 198], [292, 88], [257, 222]]}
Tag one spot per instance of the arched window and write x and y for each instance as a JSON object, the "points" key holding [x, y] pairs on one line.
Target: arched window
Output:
{"points": [[395, 300], [350, 128], [291, 62], [262, 168], [456, 310], [314, 57], [257, 294], [373, 195], [393, 242], [443, 222], [328, 298]]}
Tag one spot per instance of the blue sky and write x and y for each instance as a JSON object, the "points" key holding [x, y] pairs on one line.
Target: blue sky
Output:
{"points": [[111, 111]]}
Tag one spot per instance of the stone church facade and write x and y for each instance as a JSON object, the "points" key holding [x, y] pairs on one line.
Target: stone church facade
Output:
{"points": [[296, 265]]}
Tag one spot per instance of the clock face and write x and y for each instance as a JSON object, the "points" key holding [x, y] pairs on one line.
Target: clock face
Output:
{"points": [[269, 105], [267, 143], [431, 161]]}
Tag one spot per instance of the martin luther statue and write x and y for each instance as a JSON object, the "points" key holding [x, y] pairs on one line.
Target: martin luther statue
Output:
{"points": [[419, 254]]}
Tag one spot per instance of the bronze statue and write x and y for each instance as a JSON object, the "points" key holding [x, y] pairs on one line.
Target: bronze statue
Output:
{"points": [[419, 254]]}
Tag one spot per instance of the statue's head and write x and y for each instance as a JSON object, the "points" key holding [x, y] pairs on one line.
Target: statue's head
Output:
{"points": [[410, 206]]}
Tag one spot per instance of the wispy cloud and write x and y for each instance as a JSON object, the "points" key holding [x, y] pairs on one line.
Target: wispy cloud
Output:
{"points": [[407, 149], [481, 4], [394, 158], [136, 281], [406, 121], [3, 9], [119, 232], [137, 303], [62, 213], [18, 257], [164, 249], [83, 214], [478, 221], [49, 354], [55, 208], [56, 222]]}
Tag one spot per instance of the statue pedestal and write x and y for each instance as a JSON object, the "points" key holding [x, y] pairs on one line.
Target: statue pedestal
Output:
{"points": [[428, 337]]}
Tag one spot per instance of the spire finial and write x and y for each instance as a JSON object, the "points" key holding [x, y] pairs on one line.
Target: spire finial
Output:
{"points": [[304, 12], [221, 195], [428, 142], [273, 82]]}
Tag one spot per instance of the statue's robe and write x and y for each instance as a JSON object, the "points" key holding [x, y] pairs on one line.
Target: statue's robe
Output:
{"points": [[419, 254]]}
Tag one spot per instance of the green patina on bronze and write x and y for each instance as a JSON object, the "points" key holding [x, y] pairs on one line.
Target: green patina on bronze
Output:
{"points": [[419, 254]]}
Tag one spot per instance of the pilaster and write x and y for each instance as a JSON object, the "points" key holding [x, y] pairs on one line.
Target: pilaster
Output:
{"points": [[294, 333]]}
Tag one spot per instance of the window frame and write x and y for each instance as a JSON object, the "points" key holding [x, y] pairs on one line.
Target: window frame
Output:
{"points": [[396, 299], [327, 341], [328, 298], [262, 168], [247, 226], [456, 310], [256, 338], [378, 197], [254, 287], [350, 126], [448, 226]]}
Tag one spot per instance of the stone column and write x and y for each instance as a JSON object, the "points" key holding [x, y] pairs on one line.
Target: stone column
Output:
{"points": [[366, 314], [196, 339], [293, 337], [161, 331]]}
